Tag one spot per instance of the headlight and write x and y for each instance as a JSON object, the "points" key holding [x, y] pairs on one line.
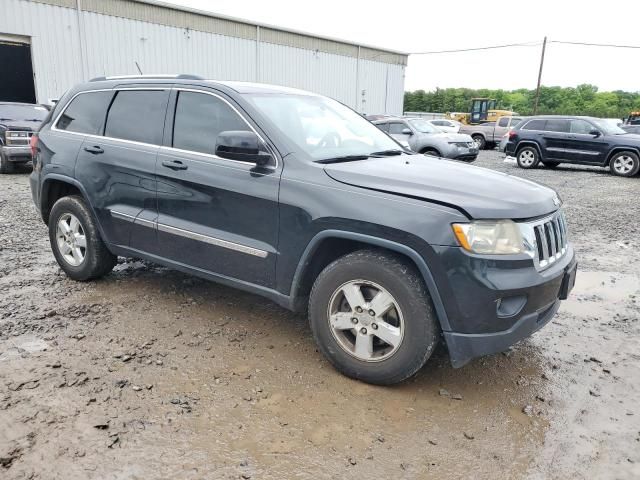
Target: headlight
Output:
{"points": [[489, 237]]}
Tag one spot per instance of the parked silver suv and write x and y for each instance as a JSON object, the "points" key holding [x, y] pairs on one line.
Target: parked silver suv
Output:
{"points": [[423, 137]]}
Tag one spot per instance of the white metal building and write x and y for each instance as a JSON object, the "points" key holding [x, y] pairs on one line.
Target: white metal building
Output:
{"points": [[63, 42]]}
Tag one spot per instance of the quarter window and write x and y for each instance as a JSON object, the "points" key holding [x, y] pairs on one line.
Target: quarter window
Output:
{"points": [[137, 115], [85, 114], [199, 120]]}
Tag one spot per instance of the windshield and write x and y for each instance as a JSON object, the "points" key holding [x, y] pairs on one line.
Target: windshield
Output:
{"points": [[423, 126], [607, 127], [34, 113], [322, 128]]}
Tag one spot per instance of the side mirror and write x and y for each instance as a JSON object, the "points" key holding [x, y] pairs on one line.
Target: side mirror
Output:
{"points": [[242, 145], [407, 131], [595, 133]]}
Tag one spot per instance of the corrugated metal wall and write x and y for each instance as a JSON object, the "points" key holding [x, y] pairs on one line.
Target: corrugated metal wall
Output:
{"points": [[370, 80]]}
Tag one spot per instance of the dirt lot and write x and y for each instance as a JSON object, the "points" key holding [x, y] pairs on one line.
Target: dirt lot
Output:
{"points": [[150, 373]]}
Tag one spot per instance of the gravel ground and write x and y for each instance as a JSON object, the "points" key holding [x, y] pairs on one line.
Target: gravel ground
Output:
{"points": [[149, 373]]}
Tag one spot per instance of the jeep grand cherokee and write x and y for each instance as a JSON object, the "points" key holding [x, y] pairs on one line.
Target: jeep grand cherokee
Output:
{"points": [[295, 197]]}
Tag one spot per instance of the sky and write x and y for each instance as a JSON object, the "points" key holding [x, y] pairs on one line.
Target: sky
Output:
{"points": [[428, 25]]}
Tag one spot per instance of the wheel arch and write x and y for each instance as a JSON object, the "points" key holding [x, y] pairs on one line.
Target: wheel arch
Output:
{"points": [[315, 258], [426, 148], [528, 143], [615, 150]]}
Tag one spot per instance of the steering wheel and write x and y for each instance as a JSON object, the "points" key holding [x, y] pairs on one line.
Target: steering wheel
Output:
{"points": [[331, 139]]}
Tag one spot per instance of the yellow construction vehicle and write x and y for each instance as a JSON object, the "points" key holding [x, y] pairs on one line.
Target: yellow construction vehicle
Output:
{"points": [[483, 110]]}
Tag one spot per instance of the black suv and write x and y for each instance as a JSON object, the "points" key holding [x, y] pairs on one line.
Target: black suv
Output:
{"points": [[553, 140], [295, 197]]}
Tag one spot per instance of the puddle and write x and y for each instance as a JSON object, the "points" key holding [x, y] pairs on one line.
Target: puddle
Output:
{"points": [[17, 346]]}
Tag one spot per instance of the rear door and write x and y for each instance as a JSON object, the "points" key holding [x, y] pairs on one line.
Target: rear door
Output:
{"points": [[583, 146], [118, 167], [556, 132], [215, 214]]}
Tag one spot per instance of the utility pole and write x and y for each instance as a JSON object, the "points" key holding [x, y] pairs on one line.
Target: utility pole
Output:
{"points": [[544, 47]]}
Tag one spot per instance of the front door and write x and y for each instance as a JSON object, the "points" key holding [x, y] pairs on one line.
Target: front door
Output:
{"points": [[215, 214], [583, 146]]}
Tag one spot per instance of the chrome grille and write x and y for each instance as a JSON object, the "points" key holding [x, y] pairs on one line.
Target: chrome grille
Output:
{"points": [[546, 239], [18, 137]]}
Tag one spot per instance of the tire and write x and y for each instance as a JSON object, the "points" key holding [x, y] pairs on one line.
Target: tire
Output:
{"points": [[527, 157], [5, 165], [480, 141], [550, 164], [624, 164], [432, 152], [94, 259], [410, 322]]}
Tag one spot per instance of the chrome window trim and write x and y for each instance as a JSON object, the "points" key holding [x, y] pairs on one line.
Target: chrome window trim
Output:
{"points": [[163, 147], [237, 112], [218, 242]]}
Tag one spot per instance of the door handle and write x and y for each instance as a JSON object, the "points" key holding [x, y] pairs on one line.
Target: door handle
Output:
{"points": [[174, 165], [95, 150]]}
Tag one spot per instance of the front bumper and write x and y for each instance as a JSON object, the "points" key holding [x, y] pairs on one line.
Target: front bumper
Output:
{"points": [[18, 154], [492, 303]]}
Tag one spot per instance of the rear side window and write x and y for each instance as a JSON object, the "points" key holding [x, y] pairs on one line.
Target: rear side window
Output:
{"points": [[199, 120], [557, 125], [86, 113], [137, 115], [534, 125]]}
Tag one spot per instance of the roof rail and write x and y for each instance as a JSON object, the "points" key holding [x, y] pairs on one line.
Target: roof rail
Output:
{"points": [[182, 76]]}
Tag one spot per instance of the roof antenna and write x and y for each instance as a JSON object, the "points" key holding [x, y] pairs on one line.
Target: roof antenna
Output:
{"points": [[138, 67]]}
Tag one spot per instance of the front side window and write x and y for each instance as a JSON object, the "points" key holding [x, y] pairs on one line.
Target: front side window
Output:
{"points": [[581, 127], [199, 120], [320, 127], [397, 128], [137, 115], [85, 114]]}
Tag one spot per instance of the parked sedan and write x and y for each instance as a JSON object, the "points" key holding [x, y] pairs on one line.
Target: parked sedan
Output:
{"points": [[425, 138], [18, 121], [449, 126]]}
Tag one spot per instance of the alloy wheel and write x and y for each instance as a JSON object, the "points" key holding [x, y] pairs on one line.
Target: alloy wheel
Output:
{"points": [[366, 320], [71, 239], [527, 158], [623, 164]]}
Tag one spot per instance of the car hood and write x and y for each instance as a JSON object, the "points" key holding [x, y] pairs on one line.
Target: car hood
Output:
{"points": [[477, 192]]}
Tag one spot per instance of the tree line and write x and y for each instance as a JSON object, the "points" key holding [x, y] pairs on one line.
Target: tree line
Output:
{"points": [[582, 100]]}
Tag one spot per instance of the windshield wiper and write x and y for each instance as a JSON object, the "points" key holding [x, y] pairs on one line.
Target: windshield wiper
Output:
{"points": [[387, 153], [344, 158]]}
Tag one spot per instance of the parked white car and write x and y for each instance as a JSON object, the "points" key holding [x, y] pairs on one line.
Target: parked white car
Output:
{"points": [[449, 126]]}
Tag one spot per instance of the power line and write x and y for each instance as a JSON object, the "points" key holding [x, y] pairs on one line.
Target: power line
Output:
{"points": [[493, 47], [612, 45]]}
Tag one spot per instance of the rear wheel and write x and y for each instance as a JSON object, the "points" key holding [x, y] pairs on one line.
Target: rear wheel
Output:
{"points": [[479, 141], [624, 164], [76, 242], [371, 316], [528, 157]]}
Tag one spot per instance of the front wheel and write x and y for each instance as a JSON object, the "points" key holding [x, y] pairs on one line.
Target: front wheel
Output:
{"points": [[76, 242], [431, 152], [624, 164], [479, 141], [528, 157], [371, 316]]}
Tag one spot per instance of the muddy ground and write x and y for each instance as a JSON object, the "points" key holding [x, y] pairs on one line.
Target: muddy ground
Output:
{"points": [[150, 373]]}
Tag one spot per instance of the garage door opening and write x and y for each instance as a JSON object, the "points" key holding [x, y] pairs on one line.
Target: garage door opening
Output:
{"points": [[16, 75]]}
